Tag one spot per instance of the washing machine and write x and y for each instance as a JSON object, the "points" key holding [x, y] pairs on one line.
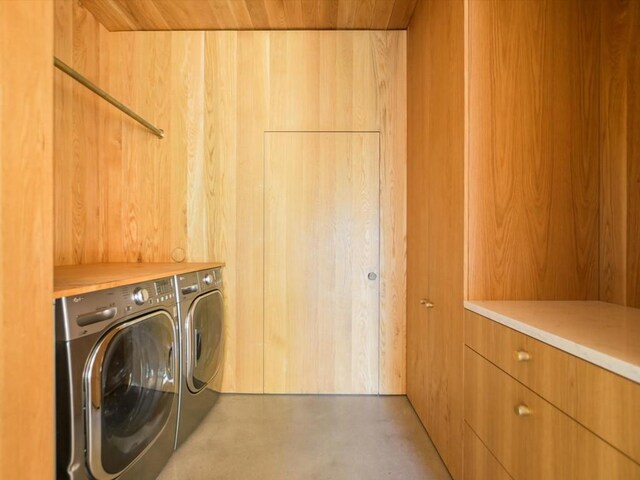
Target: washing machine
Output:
{"points": [[201, 313], [117, 381]]}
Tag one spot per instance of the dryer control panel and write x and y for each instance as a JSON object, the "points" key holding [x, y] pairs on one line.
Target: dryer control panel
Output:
{"points": [[210, 279], [192, 284]]}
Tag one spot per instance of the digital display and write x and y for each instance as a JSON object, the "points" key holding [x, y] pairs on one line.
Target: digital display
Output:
{"points": [[164, 287]]}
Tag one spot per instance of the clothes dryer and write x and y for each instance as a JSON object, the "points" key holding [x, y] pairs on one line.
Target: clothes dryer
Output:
{"points": [[117, 381], [201, 313]]}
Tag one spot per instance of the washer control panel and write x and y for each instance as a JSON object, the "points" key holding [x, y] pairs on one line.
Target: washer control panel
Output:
{"points": [[88, 313]]}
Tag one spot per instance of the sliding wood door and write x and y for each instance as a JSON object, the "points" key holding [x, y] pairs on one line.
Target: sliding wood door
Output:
{"points": [[321, 262]]}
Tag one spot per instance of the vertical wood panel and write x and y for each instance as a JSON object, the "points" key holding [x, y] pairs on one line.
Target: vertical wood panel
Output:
{"points": [[322, 226], [237, 106], [26, 329], [620, 153], [633, 152], [613, 152], [435, 223], [534, 149], [390, 97]]}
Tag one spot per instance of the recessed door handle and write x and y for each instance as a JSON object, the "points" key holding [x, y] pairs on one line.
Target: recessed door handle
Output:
{"points": [[94, 317], [426, 303], [189, 289]]}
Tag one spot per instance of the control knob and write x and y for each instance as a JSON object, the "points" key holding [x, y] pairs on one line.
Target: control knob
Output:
{"points": [[208, 279], [140, 295]]}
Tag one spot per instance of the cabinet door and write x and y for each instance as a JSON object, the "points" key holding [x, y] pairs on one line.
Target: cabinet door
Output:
{"points": [[435, 224], [322, 255]]}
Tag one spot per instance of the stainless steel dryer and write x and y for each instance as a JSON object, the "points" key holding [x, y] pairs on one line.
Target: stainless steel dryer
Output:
{"points": [[117, 372], [201, 311]]}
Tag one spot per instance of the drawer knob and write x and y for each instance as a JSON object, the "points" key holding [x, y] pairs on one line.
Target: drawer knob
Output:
{"points": [[426, 303], [523, 356], [522, 410]]}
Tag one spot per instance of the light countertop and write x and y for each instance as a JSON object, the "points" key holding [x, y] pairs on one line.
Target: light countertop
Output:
{"points": [[602, 333], [77, 279]]}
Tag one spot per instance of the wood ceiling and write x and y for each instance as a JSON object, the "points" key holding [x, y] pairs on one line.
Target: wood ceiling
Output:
{"points": [[119, 15]]}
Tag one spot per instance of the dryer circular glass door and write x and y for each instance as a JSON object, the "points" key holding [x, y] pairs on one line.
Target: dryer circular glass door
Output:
{"points": [[131, 390], [203, 331]]}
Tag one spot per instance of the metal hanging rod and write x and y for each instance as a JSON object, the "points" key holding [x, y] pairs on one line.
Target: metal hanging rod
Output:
{"points": [[98, 91]]}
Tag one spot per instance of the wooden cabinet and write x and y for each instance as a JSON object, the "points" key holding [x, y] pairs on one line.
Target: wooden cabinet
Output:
{"points": [[435, 224], [543, 413], [603, 402], [479, 462]]}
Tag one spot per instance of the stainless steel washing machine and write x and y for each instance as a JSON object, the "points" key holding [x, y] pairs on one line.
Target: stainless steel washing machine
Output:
{"points": [[201, 312], [117, 381]]}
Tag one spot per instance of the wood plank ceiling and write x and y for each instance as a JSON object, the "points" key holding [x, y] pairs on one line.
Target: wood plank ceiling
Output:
{"points": [[120, 15]]}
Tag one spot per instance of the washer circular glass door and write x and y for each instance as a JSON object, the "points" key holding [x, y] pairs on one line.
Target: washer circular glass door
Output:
{"points": [[203, 331], [130, 390]]}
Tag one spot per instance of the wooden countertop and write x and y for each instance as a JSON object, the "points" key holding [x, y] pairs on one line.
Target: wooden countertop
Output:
{"points": [[77, 279], [602, 333]]}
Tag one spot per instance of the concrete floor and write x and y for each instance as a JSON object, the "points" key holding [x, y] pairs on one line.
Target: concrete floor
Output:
{"points": [[295, 437]]}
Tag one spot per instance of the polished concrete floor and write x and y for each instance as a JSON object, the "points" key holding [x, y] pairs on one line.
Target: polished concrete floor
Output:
{"points": [[292, 437]]}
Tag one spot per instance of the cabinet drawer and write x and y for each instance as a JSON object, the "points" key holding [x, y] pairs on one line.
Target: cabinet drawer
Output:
{"points": [[604, 402], [540, 441], [479, 463]]}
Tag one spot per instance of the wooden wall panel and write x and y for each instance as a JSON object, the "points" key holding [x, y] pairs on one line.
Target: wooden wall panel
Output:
{"points": [[435, 223], [78, 236], [534, 149], [121, 194], [613, 153], [26, 282], [299, 81], [119, 15], [633, 152], [120, 191], [237, 110], [620, 153]]}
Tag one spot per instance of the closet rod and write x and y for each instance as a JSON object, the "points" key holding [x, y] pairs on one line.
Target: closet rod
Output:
{"points": [[98, 91]]}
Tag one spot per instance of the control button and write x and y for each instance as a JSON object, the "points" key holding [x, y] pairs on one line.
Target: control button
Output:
{"points": [[208, 279], [140, 295]]}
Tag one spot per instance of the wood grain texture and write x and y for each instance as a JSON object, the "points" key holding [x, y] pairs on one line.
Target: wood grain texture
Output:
{"points": [[435, 223], [118, 15], [100, 153], [300, 81], [229, 222], [545, 444], [197, 195], [633, 166], [620, 153], [613, 153], [322, 240], [479, 462], [533, 164], [602, 401], [26, 332]]}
